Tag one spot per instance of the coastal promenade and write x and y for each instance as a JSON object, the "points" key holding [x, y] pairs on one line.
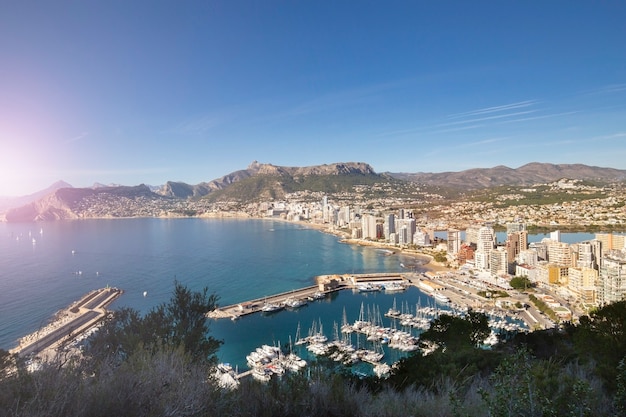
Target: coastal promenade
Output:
{"points": [[68, 324]]}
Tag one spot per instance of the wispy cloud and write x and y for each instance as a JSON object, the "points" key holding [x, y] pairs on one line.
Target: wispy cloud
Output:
{"points": [[474, 119], [76, 138], [543, 116], [607, 89], [480, 119], [493, 109]]}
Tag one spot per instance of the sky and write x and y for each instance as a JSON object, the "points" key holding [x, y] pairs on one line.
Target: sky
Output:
{"points": [[130, 92]]}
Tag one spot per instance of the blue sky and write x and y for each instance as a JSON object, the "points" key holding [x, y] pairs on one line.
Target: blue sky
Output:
{"points": [[137, 92]]}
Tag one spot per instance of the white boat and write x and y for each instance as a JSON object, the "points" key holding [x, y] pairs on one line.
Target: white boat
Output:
{"points": [[295, 302], [260, 374], [271, 307], [368, 287], [441, 298], [318, 295], [382, 370], [226, 376], [394, 286]]}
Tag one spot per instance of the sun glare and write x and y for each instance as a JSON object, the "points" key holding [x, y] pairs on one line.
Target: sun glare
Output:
{"points": [[18, 173]]}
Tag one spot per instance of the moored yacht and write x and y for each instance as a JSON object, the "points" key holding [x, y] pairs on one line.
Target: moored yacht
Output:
{"points": [[271, 307]]}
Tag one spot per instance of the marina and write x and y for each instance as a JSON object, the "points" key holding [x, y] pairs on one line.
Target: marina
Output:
{"points": [[369, 343]]}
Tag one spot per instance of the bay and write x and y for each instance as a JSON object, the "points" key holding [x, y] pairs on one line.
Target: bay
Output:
{"points": [[45, 267]]}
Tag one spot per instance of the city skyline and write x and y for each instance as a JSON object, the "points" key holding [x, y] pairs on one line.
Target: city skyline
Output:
{"points": [[146, 92]]}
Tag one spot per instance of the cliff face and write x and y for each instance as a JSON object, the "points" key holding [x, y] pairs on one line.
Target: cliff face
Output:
{"points": [[51, 207], [256, 169], [63, 203]]}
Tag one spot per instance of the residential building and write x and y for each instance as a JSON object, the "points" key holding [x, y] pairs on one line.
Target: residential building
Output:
{"points": [[454, 241], [612, 279]]}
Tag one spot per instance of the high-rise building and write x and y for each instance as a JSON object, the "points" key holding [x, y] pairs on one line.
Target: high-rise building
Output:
{"points": [[454, 241], [582, 282], [612, 279], [559, 254], [485, 240], [513, 246], [421, 238], [541, 248], [411, 228], [403, 235], [344, 216], [498, 263], [589, 254], [481, 260], [471, 234], [368, 225], [611, 242], [390, 225], [555, 235]]}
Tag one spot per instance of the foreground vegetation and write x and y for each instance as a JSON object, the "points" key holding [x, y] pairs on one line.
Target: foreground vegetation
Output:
{"points": [[161, 365]]}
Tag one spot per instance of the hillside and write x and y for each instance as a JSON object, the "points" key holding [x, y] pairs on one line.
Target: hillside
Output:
{"points": [[267, 180], [66, 203], [7, 203], [529, 174], [349, 183]]}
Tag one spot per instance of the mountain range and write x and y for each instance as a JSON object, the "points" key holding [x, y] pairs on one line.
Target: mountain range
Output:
{"points": [[270, 182]]}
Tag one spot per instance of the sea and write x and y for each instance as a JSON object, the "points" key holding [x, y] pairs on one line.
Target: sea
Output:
{"points": [[44, 267]]}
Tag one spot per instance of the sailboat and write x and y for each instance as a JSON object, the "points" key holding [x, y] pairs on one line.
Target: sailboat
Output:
{"points": [[299, 340]]}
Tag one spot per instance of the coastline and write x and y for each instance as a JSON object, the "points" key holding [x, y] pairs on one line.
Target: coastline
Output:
{"points": [[430, 265]]}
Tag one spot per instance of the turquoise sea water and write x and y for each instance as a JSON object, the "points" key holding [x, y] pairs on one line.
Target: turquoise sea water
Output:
{"points": [[236, 259], [45, 267]]}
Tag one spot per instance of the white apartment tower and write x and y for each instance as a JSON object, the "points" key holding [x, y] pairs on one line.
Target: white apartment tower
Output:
{"points": [[485, 239], [527, 257], [471, 234], [368, 225], [421, 238], [589, 254], [344, 216], [612, 280], [498, 262], [410, 226], [481, 260]]}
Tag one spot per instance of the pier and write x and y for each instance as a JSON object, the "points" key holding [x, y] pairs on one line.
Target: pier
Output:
{"points": [[326, 284], [68, 324]]}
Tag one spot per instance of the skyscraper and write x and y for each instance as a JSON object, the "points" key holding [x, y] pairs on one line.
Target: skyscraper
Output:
{"points": [[454, 241]]}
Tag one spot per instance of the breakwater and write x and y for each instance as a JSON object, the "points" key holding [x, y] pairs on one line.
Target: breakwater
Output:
{"points": [[68, 324]]}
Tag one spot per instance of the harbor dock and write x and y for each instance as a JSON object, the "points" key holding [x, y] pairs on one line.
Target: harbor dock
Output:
{"points": [[326, 284], [68, 324]]}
